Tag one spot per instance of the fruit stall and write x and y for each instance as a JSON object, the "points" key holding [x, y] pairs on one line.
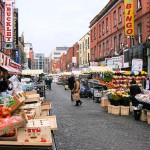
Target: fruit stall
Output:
{"points": [[117, 101], [26, 121]]}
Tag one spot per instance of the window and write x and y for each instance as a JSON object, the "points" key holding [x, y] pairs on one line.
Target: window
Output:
{"points": [[115, 43], [88, 42], [139, 30], [103, 49], [99, 30], [91, 35], [83, 46], [132, 41], [120, 41], [139, 5], [120, 14], [115, 21], [107, 47], [103, 30], [106, 24], [100, 50], [94, 52], [94, 33]]}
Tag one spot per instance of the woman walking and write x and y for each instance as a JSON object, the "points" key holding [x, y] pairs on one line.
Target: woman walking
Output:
{"points": [[76, 93]]}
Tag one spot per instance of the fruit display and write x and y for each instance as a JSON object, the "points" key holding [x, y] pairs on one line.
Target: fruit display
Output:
{"points": [[4, 113]]}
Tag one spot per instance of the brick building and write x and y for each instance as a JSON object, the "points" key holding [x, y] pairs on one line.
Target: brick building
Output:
{"points": [[69, 55], [108, 37]]}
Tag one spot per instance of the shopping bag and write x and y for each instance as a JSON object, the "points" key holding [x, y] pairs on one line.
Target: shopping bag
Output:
{"points": [[76, 96]]}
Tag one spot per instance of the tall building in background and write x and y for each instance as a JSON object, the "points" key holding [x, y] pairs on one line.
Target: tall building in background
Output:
{"points": [[38, 61], [55, 56], [46, 65], [28, 49]]}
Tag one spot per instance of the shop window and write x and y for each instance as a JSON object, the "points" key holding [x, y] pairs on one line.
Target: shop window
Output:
{"points": [[99, 30], [115, 20], [120, 14], [139, 30]]}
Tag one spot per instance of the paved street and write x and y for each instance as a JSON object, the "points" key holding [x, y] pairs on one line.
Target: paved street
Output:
{"points": [[89, 128]]}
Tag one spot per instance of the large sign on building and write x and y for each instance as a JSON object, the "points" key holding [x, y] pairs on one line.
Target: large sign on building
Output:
{"points": [[9, 24], [129, 17]]}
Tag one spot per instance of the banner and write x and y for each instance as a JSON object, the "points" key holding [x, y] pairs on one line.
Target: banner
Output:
{"points": [[137, 64], [129, 17]]}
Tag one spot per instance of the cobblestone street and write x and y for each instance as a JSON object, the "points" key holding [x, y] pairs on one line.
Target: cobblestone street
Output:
{"points": [[89, 128]]}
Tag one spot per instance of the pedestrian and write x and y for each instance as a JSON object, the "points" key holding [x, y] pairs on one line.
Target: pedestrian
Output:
{"points": [[147, 84], [134, 90], [49, 83], [76, 93], [71, 82]]}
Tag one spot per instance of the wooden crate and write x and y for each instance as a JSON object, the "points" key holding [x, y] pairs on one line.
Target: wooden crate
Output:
{"points": [[30, 113], [13, 138], [51, 119], [36, 106], [143, 115], [109, 109], [46, 105], [45, 112], [125, 110], [30, 92], [33, 136], [115, 110], [32, 98], [104, 101]]}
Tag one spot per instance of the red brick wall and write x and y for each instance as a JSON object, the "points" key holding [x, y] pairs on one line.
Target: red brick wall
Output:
{"points": [[141, 16], [76, 53], [70, 54]]}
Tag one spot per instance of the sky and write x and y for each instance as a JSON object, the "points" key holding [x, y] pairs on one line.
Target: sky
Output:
{"points": [[48, 24]]}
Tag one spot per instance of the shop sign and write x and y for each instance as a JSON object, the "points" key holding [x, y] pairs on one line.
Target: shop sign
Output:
{"points": [[10, 1], [93, 63], [74, 60], [8, 22], [115, 62], [129, 17], [4, 60], [137, 64], [16, 27]]}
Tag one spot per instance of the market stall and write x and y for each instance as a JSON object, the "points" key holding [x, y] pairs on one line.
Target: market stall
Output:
{"points": [[25, 120], [32, 72]]}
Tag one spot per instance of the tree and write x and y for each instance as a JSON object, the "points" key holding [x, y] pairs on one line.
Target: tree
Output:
{"points": [[23, 58]]}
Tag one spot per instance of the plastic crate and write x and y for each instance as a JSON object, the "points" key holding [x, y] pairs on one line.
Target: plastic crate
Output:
{"points": [[115, 110], [125, 110]]}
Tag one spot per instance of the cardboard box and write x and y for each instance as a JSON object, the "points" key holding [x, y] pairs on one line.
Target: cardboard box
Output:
{"points": [[115, 110], [125, 110]]}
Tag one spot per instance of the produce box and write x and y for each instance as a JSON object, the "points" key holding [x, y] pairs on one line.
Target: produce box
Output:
{"points": [[36, 106], [14, 105], [30, 113], [46, 105], [35, 135], [143, 115], [148, 117], [32, 98], [109, 109], [30, 92], [11, 123], [52, 120], [125, 110], [115, 110], [11, 136], [104, 101]]}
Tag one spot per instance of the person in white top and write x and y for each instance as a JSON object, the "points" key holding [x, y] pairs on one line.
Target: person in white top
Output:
{"points": [[147, 84]]}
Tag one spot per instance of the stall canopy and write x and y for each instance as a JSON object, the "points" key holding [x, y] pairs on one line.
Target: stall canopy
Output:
{"points": [[32, 72], [99, 69], [11, 70]]}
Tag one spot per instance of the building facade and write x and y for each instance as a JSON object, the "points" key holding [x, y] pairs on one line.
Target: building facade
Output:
{"points": [[108, 38], [84, 50], [38, 61], [55, 56], [46, 65], [28, 49]]}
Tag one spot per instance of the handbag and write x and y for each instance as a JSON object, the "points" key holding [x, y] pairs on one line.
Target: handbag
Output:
{"points": [[76, 96]]}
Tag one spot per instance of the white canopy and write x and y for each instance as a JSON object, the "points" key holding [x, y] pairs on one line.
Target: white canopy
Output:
{"points": [[32, 72], [99, 69]]}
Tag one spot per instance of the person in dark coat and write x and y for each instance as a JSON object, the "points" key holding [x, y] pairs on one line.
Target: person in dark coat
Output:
{"points": [[71, 82], [49, 83], [147, 84], [134, 90]]}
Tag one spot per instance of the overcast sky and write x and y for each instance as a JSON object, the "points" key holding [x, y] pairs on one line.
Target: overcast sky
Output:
{"points": [[48, 24]]}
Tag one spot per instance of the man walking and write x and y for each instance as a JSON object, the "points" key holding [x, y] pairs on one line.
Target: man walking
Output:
{"points": [[71, 82], [49, 83]]}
